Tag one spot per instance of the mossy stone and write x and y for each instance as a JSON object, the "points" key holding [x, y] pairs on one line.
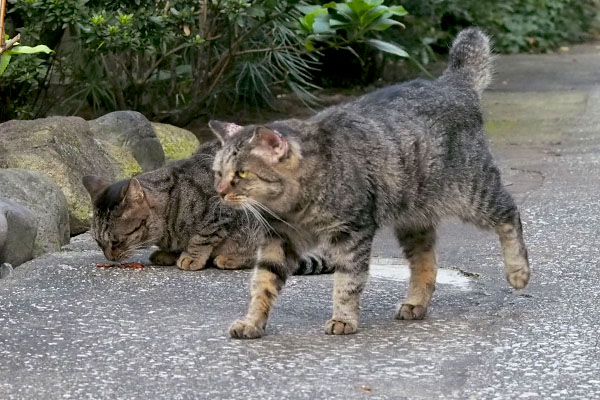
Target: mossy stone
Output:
{"points": [[176, 142], [64, 149]]}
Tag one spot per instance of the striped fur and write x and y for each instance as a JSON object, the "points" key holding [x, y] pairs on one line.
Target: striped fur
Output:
{"points": [[178, 211], [313, 264], [406, 156]]}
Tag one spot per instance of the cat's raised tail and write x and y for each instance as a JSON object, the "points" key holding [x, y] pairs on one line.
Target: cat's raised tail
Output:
{"points": [[471, 58], [314, 264]]}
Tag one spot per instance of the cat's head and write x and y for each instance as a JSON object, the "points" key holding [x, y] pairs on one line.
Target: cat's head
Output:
{"points": [[121, 215], [256, 164]]}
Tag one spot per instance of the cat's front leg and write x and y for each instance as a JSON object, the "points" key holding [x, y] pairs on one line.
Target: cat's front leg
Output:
{"points": [[350, 254], [270, 273], [164, 257], [197, 253]]}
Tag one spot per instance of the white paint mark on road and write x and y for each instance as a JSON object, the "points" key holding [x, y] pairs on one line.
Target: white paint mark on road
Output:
{"points": [[397, 269]]}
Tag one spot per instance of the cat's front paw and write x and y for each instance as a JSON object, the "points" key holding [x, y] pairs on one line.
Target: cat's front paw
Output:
{"points": [[411, 312], [242, 329], [187, 262], [227, 262], [338, 327]]}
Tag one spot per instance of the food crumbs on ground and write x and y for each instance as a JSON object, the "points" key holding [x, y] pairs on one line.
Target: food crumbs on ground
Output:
{"points": [[122, 266], [366, 388], [131, 265]]}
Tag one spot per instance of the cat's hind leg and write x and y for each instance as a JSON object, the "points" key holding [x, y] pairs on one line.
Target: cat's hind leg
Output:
{"points": [[164, 257], [514, 251], [234, 254], [494, 208], [419, 249], [507, 225], [233, 261]]}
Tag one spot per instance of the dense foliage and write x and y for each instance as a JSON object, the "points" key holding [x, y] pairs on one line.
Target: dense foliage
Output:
{"points": [[175, 60], [178, 59], [516, 25], [16, 49]]}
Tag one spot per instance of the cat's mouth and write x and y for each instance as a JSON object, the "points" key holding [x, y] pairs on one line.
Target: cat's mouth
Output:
{"points": [[235, 199], [115, 257]]}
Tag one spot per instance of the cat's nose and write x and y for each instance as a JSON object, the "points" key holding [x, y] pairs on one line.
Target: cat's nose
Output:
{"points": [[113, 254], [223, 187], [109, 255]]}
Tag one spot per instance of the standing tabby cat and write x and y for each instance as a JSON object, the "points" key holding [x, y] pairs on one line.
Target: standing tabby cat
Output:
{"points": [[407, 155], [177, 209]]}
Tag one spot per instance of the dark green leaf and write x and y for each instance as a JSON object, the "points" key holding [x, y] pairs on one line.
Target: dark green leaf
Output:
{"points": [[397, 10], [4, 60], [388, 47], [384, 23], [321, 25], [29, 50]]}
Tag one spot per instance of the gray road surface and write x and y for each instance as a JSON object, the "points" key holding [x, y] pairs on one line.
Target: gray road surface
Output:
{"points": [[71, 330]]}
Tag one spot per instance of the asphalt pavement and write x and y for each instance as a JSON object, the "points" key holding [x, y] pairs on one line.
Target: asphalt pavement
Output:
{"points": [[71, 330]]}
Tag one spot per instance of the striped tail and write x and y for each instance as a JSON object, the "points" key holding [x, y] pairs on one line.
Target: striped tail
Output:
{"points": [[313, 264], [471, 59]]}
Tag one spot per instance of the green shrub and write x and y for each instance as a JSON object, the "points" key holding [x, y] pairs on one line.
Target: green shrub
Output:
{"points": [[179, 59], [516, 25]]}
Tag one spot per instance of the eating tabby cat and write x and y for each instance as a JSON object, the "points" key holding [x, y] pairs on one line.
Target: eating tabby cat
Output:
{"points": [[177, 209]]}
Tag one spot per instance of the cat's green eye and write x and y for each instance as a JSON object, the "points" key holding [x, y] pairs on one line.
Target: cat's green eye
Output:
{"points": [[242, 174]]}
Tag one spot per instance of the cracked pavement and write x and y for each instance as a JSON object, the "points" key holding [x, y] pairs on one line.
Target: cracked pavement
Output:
{"points": [[71, 330]]}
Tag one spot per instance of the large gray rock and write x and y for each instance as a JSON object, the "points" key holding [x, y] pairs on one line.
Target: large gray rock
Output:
{"points": [[45, 200], [18, 228], [132, 132], [177, 143], [64, 149]]}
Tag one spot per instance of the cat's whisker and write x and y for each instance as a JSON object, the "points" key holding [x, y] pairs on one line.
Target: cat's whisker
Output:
{"points": [[214, 204], [257, 216], [262, 221], [205, 157], [246, 214], [271, 213], [140, 246], [255, 222]]}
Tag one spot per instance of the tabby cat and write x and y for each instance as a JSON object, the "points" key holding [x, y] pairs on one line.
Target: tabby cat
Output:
{"points": [[177, 209], [408, 156]]}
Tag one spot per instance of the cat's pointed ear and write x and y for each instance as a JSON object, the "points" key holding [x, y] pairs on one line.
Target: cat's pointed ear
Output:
{"points": [[134, 193], [224, 130], [95, 185], [269, 144]]}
